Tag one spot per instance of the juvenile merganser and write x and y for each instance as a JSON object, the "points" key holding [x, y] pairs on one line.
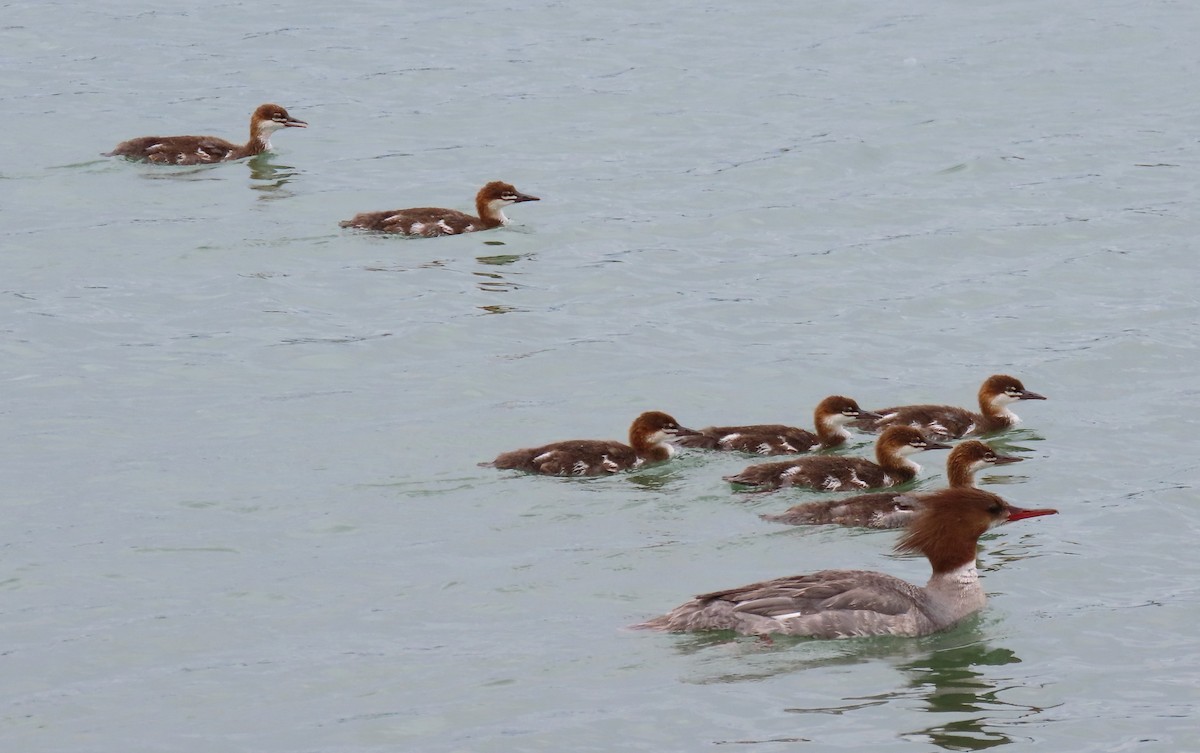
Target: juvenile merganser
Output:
{"points": [[430, 222], [893, 509], [946, 421], [200, 150], [649, 442], [850, 603], [835, 473], [830, 417]]}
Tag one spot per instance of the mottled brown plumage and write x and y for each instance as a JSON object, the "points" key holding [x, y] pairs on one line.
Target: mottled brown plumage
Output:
{"points": [[649, 442], [200, 150], [830, 417], [949, 422], [430, 222], [849, 603], [892, 509], [838, 473]]}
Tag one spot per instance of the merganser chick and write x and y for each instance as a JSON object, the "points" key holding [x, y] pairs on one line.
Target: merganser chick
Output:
{"points": [[201, 150], [830, 417], [649, 442], [893, 509], [835, 473], [430, 222], [850, 603], [946, 421]]}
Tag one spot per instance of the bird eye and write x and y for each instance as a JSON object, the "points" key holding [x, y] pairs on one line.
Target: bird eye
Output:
{"points": [[995, 510], [850, 412], [989, 457]]}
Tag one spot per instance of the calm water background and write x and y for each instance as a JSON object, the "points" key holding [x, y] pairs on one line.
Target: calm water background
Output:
{"points": [[241, 505]]}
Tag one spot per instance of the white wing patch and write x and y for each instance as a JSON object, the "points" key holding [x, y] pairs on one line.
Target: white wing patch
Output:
{"points": [[832, 483], [445, 228], [609, 464], [415, 228], [580, 468], [763, 449], [854, 479]]}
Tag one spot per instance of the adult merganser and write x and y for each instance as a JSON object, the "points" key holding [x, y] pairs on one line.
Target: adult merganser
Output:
{"points": [[429, 222], [830, 417], [835, 473], [893, 509], [649, 442], [849, 603], [200, 150], [946, 421]]}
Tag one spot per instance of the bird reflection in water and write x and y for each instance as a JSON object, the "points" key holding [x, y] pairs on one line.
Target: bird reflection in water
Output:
{"points": [[950, 685], [270, 178], [492, 281], [948, 673], [947, 680]]}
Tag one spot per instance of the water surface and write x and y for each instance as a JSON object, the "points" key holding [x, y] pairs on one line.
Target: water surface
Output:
{"points": [[242, 504]]}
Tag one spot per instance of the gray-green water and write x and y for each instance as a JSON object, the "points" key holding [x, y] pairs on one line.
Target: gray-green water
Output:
{"points": [[241, 504]]}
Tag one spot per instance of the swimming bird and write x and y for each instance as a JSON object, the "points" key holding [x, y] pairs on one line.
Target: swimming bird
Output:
{"points": [[892, 509], [837, 473], [429, 222], [830, 418], [946, 421], [650, 438], [200, 150], [850, 603]]}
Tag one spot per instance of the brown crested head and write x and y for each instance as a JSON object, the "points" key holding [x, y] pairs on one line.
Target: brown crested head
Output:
{"points": [[901, 441], [1006, 388], [840, 410], [971, 456], [654, 427], [275, 116], [950, 521], [498, 190]]}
